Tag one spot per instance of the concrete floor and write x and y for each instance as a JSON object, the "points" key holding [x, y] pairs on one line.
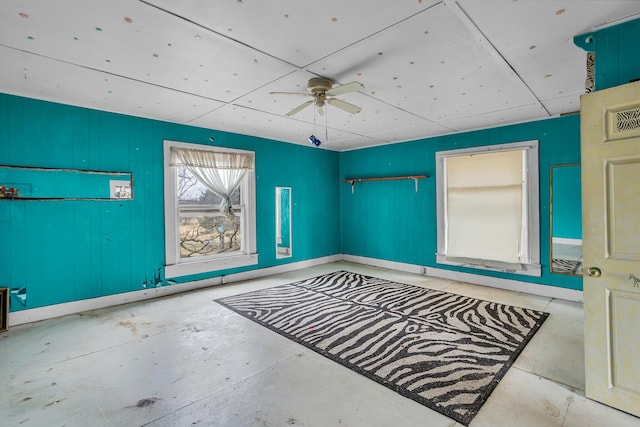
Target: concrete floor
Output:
{"points": [[184, 360]]}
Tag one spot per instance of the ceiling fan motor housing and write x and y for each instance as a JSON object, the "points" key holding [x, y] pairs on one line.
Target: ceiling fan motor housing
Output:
{"points": [[319, 85]]}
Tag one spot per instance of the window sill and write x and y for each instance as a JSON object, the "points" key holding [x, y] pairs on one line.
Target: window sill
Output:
{"points": [[504, 267], [209, 265]]}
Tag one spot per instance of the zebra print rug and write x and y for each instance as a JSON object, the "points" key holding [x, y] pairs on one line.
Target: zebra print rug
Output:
{"points": [[443, 350]]}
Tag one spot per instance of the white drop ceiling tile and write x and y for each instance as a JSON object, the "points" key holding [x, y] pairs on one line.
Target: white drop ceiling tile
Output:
{"points": [[542, 23], [339, 140], [41, 78], [433, 66], [564, 104], [299, 32], [544, 54], [354, 142], [411, 130], [377, 115], [329, 115], [555, 73], [238, 119], [279, 104], [519, 114], [376, 118], [141, 42]]}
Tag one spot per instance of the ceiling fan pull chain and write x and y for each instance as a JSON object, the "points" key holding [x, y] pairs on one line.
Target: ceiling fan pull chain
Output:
{"points": [[314, 121], [326, 127]]}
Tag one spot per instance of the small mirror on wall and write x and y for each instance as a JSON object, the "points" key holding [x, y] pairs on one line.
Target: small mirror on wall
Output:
{"points": [[566, 220], [283, 222]]}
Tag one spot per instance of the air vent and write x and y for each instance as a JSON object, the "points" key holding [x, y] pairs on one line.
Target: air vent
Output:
{"points": [[623, 122], [628, 120]]}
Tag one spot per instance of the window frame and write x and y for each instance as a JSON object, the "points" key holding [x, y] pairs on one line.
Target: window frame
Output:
{"points": [[531, 245], [175, 266]]}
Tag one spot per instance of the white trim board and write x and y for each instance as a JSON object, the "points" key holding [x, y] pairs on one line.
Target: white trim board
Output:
{"points": [[57, 310], [565, 241], [494, 282]]}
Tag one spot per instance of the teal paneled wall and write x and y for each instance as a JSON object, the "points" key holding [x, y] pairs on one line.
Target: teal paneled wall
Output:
{"points": [[71, 250], [616, 58], [62, 251], [390, 220]]}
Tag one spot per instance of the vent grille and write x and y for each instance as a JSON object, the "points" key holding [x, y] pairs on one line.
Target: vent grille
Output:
{"points": [[628, 120], [622, 122]]}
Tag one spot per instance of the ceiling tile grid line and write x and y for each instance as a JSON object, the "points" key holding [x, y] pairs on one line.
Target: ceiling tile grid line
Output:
{"points": [[112, 74], [218, 33], [493, 51], [378, 31]]}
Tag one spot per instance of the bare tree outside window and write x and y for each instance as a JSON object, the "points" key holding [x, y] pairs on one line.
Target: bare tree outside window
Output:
{"points": [[204, 229]]}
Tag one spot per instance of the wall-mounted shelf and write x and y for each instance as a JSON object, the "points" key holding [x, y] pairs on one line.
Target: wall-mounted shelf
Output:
{"points": [[415, 178], [37, 183]]}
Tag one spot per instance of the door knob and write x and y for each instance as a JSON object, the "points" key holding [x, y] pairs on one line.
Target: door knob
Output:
{"points": [[594, 272]]}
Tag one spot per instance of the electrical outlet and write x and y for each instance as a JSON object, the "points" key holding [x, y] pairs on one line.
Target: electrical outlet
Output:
{"points": [[224, 280]]}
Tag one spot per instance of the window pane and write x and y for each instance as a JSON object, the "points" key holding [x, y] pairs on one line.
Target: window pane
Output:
{"points": [[207, 234], [193, 192], [492, 230], [484, 206]]}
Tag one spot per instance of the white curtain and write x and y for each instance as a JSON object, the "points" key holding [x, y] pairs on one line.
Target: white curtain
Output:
{"points": [[485, 206], [220, 172]]}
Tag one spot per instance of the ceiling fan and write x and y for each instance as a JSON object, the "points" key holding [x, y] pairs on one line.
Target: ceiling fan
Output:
{"points": [[321, 89]]}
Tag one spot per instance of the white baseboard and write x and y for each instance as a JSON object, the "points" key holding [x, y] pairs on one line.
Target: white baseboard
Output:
{"points": [[565, 241], [57, 310], [478, 279]]}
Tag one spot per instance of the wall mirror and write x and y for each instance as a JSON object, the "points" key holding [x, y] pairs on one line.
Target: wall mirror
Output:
{"points": [[566, 219], [283, 222], [30, 183]]}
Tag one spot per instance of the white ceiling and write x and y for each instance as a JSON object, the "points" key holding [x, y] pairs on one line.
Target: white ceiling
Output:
{"points": [[429, 67]]}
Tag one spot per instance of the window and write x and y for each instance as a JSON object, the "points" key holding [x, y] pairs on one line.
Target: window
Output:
{"points": [[209, 208], [488, 208]]}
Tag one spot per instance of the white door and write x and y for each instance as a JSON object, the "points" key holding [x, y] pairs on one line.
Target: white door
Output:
{"points": [[610, 136]]}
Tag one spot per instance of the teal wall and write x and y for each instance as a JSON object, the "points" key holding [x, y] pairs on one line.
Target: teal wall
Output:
{"points": [[389, 220], [616, 53], [62, 251]]}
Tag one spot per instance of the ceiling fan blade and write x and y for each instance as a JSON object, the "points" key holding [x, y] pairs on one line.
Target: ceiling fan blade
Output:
{"points": [[349, 108], [346, 88], [291, 93], [299, 108]]}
